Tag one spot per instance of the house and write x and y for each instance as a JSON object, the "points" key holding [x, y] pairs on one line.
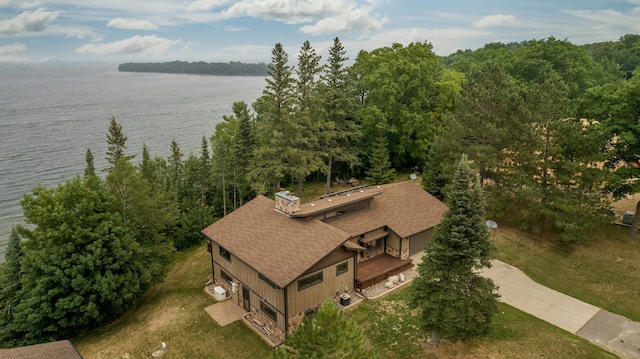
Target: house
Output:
{"points": [[62, 349], [281, 259]]}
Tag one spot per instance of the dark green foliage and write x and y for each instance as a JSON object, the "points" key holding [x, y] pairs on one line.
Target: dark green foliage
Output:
{"points": [[243, 145], [116, 143], [232, 68], [90, 170], [489, 117], [455, 301], [379, 171], [174, 167], [337, 128], [274, 157], [10, 284], [146, 216], [324, 335], [401, 83], [80, 269], [307, 108]]}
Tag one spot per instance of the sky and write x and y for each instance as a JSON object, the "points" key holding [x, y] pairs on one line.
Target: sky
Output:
{"points": [[39, 31]]}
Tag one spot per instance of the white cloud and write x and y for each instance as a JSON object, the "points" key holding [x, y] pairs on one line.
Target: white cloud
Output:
{"points": [[494, 20], [357, 19], [13, 53], [323, 16], [28, 22], [205, 5], [132, 24], [138, 45], [288, 11], [609, 17]]}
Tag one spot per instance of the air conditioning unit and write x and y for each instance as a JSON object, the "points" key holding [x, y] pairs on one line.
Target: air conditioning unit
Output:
{"points": [[219, 293]]}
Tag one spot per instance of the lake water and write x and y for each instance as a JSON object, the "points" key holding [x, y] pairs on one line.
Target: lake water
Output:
{"points": [[50, 115]]}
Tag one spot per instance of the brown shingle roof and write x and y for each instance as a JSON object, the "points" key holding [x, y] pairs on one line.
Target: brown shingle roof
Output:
{"points": [[404, 207], [283, 248], [279, 247], [62, 349]]}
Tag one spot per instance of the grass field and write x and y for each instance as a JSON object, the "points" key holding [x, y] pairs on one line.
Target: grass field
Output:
{"points": [[173, 312], [605, 271]]}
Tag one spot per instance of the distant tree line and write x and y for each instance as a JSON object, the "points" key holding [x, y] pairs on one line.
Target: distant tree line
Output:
{"points": [[232, 68], [549, 127]]}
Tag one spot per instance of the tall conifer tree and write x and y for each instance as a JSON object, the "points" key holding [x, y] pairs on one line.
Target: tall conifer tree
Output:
{"points": [[455, 301], [338, 130]]}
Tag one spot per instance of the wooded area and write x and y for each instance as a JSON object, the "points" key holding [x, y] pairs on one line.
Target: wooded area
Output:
{"points": [[233, 68], [550, 127]]}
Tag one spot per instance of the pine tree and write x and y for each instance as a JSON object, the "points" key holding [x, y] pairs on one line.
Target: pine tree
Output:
{"points": [[90, 170], [326, 334], [380, 170], [285, 149], [307, 106], [454, 299], [175, 168], [116, 143], [10, 284], [243, 146], [338, 131]]}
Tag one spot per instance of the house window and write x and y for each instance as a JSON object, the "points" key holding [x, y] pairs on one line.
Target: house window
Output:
{"points": [[225, 253], [268, 311], [268, 281], [225, 276], [342, 268], [310, 281], [372, 246]]}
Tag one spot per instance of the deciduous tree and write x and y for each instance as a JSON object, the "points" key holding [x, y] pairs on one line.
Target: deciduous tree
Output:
{"points": [[80, 267]]}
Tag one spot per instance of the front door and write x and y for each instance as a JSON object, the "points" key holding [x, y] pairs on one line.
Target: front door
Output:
{"points": [[245, 298]]}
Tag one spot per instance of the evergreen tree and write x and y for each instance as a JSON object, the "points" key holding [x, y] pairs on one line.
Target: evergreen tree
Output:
{"points": [[307, 106], [174, 168], [242, 147], [80, 269], [338, 131], [326, 334], [490, 122], [380, 170], [454, 300], [10, 284], [116, 143], [147, 168], [90, 170], [282, 153]]}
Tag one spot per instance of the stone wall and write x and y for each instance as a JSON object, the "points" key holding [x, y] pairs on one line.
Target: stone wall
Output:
{"points": [[277, 335], [394, 252]]}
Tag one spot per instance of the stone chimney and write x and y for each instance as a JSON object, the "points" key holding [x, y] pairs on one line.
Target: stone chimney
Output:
{"points": [[287, 203]]}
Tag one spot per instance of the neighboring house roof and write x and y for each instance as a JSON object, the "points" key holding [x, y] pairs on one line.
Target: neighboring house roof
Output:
{"points": [[404, 207], [62, 349], [279, 247]]}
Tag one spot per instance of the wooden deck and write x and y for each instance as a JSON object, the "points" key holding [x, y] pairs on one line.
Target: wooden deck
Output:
{"points": [[378, 269]]}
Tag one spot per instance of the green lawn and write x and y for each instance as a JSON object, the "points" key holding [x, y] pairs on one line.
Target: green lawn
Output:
{"points": [[393, 329], [173, 312], [605, 271]]}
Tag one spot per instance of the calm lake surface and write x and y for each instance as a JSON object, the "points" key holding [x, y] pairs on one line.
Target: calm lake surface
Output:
{"points": [[51, 114]]}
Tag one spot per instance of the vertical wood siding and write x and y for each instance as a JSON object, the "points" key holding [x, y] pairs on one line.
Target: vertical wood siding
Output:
{"points": [[300, 301]]}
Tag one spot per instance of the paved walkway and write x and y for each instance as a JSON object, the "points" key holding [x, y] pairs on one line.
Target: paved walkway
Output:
{"points": [[610, 331]]}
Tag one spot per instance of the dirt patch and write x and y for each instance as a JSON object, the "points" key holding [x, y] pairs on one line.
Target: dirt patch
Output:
{"points": [[163, 318], [627, 203]]}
